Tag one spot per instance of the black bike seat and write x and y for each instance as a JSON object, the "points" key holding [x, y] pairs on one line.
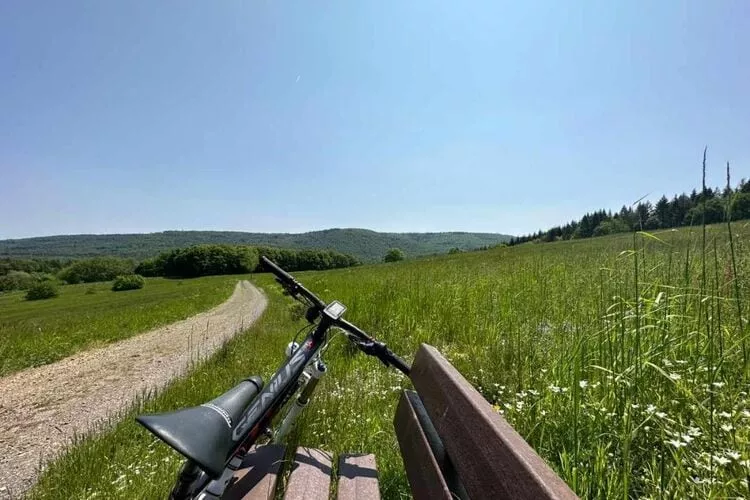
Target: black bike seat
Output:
{"points": [[203, 433]]}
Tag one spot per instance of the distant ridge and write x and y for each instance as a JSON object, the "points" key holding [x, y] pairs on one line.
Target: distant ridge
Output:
{"points": [[365, 244]]}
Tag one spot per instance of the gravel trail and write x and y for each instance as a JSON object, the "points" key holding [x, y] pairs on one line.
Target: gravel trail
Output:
{"points": [[42, 407]]}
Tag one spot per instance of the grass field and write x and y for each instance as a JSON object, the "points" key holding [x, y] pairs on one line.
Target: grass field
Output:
{"points": [[38, 332], [622, 360]]}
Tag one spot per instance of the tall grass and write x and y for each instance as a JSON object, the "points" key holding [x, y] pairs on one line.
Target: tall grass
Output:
{"points": [[614, 357]]}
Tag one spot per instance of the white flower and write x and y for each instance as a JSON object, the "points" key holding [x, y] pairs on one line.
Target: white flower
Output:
{"points": [[660, 414], [719, 384], [583, 383], [725, 414], [733, 455], [694, 431], [687, 438], [726, 427], [554, 388], [666, 362], [721, 460], [675, 376], [676, 443], [651, 408], [746, 413]]}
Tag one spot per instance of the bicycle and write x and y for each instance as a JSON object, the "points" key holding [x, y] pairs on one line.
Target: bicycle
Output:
{"points": [[215, 436]]}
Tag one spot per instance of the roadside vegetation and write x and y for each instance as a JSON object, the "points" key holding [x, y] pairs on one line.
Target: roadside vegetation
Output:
{"points": [[622, 360], [38, 332]]}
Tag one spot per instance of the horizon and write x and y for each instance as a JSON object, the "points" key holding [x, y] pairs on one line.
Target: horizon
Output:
{"points": [[251, 232], [407, 118]]}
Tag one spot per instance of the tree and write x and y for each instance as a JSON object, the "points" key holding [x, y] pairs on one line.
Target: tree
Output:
{"points": [[394, 255]]}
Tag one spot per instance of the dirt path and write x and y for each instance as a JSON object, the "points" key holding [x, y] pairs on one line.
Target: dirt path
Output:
{"points": [[41, 408]]}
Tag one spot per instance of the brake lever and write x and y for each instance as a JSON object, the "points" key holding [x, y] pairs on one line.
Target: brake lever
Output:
{"points": [[374, 348]]}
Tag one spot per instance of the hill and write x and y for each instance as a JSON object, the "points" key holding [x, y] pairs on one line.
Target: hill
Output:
{"points": [[365, 244]]}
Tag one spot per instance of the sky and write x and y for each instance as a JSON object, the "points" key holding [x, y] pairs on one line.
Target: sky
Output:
{"points": [[291, 116]]}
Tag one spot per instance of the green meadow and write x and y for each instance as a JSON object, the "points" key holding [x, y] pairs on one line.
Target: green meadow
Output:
{"points": [[622, 360], [34, 333]]}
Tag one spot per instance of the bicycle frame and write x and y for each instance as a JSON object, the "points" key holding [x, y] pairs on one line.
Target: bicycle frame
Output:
{"points": [[267, 405]]}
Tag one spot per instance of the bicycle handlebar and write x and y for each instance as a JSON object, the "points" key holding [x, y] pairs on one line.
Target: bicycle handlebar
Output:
{"points": [[365, 343]]}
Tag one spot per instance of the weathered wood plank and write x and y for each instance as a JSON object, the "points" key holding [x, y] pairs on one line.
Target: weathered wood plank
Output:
{"points": [[256, 477], [358, 478], [311, 475], [422, 468], [491, 458]]}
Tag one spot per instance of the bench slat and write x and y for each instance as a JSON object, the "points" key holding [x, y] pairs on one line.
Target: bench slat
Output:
{"points": [[422, 469], [256, 477], [491, 458], [358, 478], [311, 475]]}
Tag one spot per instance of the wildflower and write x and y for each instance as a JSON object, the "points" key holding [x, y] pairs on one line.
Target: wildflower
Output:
{"points": [[666, 362], [676, 443], [719, 384], [726, 427], [725, 414], [746, 413], [650, 408], [687, 438], [583, 383], [554, 388], [694, 431], [635, 406], [733, 455], [721, 460], [660, 414], [675, 376]]}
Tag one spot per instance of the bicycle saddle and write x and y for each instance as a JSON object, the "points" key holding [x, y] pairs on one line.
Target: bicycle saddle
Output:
{"points": [[203, 433]]}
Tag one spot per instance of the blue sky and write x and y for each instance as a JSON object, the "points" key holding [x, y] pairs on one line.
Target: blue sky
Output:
{"points": [[397, 116]]}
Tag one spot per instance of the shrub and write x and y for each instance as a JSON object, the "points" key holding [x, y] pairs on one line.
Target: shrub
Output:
{"points": [[16, 280], [96, 269], [307, 260], [42, 290], [394, 255], [128, 282]]}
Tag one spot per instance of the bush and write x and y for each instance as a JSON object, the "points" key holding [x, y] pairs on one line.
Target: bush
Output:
{"points": [[42, 290], [128, 282], [16, 280], [307, 260], [96, 269], [394, 255], [202, 260]]}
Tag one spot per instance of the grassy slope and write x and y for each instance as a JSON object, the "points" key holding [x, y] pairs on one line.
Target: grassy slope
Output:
{"points": [[622, 397], [364, 244], [33, 333]]}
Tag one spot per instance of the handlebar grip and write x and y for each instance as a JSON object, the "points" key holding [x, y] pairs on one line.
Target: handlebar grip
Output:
{"points": [[288, 281], [271, 265], [399, 363]]}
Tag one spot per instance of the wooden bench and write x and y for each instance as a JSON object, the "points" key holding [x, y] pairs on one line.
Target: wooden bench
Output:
{"points": [[453, 443], [309, 478]]}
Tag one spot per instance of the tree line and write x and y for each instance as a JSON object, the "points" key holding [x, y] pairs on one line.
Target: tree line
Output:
{"points": [[715, 205], [198, 260]]}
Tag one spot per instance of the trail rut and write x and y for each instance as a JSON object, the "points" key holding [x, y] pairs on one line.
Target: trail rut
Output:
{"points": [[41, 408]]}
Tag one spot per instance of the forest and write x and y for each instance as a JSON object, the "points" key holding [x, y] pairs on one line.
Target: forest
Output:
{"points": [[709, 206]]}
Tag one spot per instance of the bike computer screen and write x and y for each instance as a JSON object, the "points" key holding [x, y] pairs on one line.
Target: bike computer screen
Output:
{"points": [[334, 310]]}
